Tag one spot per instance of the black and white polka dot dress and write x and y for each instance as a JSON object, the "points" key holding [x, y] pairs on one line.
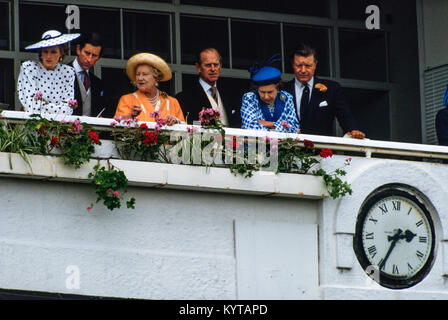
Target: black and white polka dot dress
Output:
{"points": [[46, 91]]}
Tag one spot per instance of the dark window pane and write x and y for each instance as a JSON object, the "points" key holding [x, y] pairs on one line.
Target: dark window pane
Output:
{"points": [[117, 83], [107, 23], [198, 33], [356, 9], [363, 55], [235, 88], [7, 85], [166, 1], [371, 111], [319, 8], [138, 39], [36, 19], [4, 25], [318, 38], [253, 42]]}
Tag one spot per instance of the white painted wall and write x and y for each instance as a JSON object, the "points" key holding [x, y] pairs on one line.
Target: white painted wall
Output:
{"points": [[196, 244]]}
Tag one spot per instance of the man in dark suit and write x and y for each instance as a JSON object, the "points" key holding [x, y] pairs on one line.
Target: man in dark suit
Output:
{"points": [[89, 90], [318, 101], [207, 93]]}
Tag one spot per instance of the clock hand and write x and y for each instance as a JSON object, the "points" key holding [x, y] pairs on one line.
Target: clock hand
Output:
{"points": [[408, 235], [394, 240]]}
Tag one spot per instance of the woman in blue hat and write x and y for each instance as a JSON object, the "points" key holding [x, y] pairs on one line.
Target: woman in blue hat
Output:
{"points": [[267, 107]]}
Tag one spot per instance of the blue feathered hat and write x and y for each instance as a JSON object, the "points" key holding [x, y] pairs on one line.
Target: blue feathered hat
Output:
{"points": [[265, 75]]}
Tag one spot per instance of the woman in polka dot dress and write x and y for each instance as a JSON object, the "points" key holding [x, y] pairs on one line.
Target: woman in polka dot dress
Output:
{"points": [[47, 86]]}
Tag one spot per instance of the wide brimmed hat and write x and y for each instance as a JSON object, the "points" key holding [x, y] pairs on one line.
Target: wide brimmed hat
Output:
{"points": [[149, 59], [52, 38]]}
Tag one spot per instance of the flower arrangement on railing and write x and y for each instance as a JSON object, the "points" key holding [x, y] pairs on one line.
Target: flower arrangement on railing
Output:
{"points": [[75, 143]]}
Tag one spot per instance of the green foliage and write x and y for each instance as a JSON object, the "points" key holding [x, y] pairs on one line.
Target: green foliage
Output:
{"points": [[108, 184], [140, 143], [15, 139], [335, 186]]}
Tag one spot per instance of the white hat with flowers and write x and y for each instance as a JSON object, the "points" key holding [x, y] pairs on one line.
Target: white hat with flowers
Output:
{"points": [[52, 38]]}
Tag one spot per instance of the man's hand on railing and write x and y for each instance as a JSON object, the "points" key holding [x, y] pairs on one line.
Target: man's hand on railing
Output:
{"points": [[356, 134]]}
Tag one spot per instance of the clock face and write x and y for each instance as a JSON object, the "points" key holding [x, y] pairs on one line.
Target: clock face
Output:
{"points": [[395, 234]]}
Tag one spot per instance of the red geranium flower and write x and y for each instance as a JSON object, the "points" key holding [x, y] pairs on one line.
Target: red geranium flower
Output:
{"points": [[150, 138], [325, 153], [308, 144], [54, 141], [143, 126], [94, 136]]}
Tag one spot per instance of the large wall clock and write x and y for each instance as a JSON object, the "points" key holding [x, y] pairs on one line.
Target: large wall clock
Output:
{"points": [[395, 235]]}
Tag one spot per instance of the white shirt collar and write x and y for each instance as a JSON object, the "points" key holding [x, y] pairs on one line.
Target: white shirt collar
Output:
{"points": [[77, 67], [205, 85], [300, 86]]}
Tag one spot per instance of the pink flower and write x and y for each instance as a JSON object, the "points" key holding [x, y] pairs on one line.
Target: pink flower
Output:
{"points": [[109, 190], [155, 114], [208, 116], [113, 123], [38, 96], [285, 124], [72, 103], [89, 208], [118, 119], [77, 126], [116, 194], [192, 130]]}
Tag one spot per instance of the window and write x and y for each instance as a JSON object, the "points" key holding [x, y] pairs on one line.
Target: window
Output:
{"points": [[4, 25], [371, 111], [363, 55], [36, 19], [7, 85], [146, 32], [319, 8], [318, 38], [107, 23], [198, 33], [254, 42]]}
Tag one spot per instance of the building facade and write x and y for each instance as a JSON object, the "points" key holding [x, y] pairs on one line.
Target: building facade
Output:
{"points": [[378, 68]]}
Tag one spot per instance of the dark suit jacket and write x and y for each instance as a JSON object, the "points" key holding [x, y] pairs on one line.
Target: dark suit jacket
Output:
{"points": [[99, 98], [442, 126], [193, 100], [319, 119]]}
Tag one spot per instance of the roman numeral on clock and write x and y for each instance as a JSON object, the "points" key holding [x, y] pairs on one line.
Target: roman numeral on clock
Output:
{"points": [[418, 224], [383, 208], [419, 255], [395, 269], [370, 236], [372, 251], [397, 205], [423, 239]]}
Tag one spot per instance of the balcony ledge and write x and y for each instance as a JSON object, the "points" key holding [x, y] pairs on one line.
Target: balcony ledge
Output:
{"points": [[171, 176]]}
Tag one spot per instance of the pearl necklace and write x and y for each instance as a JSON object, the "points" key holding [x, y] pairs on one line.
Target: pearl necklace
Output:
{"points": [[154, 101]]}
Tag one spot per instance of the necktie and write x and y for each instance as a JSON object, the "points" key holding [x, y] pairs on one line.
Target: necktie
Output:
{"points": [[214, 96], [86, 80], [304, 102]]}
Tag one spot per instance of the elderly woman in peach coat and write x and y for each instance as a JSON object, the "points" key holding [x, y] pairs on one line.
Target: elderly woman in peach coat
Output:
{"points": [[146, 70]]}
